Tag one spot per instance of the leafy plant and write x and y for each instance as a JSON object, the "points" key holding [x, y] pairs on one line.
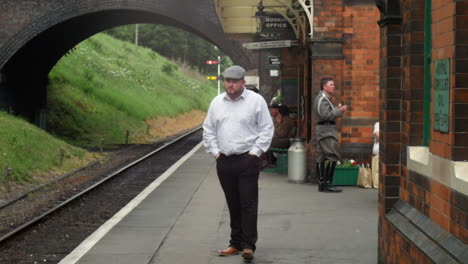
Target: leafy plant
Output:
{"points": [[347, 163]]}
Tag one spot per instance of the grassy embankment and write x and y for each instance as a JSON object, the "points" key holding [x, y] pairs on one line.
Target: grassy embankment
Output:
{"points": [[102, 89]]}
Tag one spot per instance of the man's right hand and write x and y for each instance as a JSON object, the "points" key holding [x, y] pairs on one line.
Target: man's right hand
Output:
{"points": [[343, 108], [217, 156]]}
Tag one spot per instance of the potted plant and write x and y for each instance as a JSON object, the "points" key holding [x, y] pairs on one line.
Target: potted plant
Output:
{"points": [[346, 173]]}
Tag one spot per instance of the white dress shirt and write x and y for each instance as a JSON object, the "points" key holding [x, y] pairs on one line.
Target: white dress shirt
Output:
{"points": [[238, 126]]}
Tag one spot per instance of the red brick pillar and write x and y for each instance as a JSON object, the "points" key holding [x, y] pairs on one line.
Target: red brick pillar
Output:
{"points": [[390, 114], [460, 105], [390, 129], [326, 54]]}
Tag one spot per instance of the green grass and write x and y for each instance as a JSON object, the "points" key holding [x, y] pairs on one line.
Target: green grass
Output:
{"points": [[27, 150], [101, 89], [105, 87]]}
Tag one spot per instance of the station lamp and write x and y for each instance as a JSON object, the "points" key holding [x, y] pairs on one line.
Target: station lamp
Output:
{"points": [[260, 12]]}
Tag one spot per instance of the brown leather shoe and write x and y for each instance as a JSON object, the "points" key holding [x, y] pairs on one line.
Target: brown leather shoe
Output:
{"points": [[247, 254], [228, 251]]}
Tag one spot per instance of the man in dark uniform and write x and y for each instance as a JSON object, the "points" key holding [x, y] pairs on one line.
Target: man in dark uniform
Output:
{"points": [[327, 135]]}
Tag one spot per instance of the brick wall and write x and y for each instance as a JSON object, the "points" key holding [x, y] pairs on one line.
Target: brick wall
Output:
{"points": [[433, 199], [328, 18], [430, 196], [390, 129], [413, 73], [443, 47], [459, 105], [398, 249], [22, 20], [355, 71], [360, 86]]}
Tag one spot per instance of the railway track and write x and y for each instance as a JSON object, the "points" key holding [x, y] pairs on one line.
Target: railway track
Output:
{"points": [[126, 180]]}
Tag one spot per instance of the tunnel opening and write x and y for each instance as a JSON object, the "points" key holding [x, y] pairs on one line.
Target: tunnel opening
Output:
{"points": [[24, 78]]}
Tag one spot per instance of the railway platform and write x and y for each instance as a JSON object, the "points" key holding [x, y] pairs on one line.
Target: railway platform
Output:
{"points": [[182, 217]]}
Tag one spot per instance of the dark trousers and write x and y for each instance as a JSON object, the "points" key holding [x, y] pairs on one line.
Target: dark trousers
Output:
{"points": [[238, 175]]}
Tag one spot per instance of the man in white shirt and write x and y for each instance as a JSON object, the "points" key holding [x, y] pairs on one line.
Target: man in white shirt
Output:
{"points": [[237, 130]]}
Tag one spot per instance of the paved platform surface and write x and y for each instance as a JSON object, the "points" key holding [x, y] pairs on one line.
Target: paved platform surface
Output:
{"points": [[184, 219]]}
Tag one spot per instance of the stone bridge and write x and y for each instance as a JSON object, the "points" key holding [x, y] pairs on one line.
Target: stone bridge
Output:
{"points": [[35, 34]]}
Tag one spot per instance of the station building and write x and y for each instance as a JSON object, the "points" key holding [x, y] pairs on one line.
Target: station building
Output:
{"points": [[403, 63]]}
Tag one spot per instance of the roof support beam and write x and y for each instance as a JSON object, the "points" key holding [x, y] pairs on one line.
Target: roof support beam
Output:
{"points": [[308, 7]]}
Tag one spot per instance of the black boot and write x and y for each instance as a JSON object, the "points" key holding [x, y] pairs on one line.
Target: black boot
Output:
{"points": [[270, 159], [321, 176], [329, 178]]}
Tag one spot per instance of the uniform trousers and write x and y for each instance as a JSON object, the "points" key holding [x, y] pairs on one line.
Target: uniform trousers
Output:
{"points": [[238, 175], [328, 149]]}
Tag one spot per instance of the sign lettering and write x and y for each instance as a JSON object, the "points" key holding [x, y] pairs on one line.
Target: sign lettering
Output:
{"points": [[275, 27], [442, 95]]}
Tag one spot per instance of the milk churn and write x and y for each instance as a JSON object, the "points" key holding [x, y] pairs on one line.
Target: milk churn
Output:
{"points": [[297, 161]]}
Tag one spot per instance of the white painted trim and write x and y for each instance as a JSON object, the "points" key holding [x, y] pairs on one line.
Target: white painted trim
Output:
{"points": [[453, 174], [309, 10], [461, 170]]}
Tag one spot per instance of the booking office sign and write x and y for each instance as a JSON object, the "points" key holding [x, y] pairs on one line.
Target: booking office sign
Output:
{"points": [[442, 95], [275, 27]]}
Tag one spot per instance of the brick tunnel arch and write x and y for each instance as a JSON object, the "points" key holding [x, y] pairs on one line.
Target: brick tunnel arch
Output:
{"points": [[29, 55]]}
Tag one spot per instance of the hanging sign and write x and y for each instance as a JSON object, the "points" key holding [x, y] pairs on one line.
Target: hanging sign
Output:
{"points": [[275, 27], [270, 44]]}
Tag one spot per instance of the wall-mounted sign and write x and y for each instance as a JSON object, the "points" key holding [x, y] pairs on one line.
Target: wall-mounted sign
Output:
{"points": [[270, 44], [274, 27], [441, 95], [273, 60]]}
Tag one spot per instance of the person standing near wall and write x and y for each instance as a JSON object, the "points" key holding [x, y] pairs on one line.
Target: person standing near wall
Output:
{"points": [[283, 128], [237, 130], [375, 156], [327, 135]]}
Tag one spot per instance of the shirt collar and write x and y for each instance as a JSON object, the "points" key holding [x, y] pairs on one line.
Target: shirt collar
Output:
{"points": [[242, 96]]}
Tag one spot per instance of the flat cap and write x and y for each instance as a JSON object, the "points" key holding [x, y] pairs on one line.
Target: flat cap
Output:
{"points": [[234, 72]]}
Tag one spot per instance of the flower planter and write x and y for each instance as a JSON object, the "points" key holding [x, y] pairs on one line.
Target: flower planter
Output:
{"points": [[345, 175]]}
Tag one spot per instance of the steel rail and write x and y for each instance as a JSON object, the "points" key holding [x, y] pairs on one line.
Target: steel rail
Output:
{"points": [[95, 185]]}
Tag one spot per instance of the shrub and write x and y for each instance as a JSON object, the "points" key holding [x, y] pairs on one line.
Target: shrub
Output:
{"points": [[168, 68]]}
